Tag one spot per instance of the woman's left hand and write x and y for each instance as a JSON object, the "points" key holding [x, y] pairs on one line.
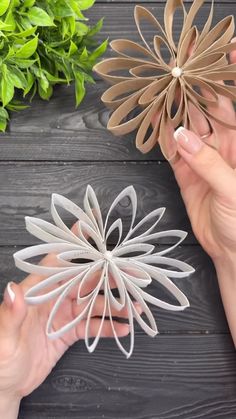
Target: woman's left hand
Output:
{"points": [[27, 356]]}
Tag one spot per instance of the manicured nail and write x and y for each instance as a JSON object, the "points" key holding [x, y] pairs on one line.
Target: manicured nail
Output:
{"points": [[126, 328], [188, 140], [138, 307], [11, 292]]}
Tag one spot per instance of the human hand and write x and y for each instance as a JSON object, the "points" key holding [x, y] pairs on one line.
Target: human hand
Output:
{"points": [[207, 179], [27, 356]]}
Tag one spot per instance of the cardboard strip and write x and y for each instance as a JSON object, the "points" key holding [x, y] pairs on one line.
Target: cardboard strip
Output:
{"points": [[132, 264], [203, 70]]}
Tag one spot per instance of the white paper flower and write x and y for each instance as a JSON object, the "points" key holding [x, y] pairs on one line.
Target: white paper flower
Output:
{"points": [[131, 263]]}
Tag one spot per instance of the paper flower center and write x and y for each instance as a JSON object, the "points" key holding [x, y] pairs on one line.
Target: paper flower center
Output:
{"points": [[108, 255], [177, 72]]}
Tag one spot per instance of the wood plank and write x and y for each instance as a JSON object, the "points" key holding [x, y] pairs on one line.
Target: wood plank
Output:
{"points": [[187, 377], [205, 314], [25, 189], [55, 131], [222, 2], [114, 13]]}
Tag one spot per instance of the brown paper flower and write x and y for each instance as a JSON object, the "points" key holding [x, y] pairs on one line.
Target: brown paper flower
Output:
{"points": [[153, 95]]}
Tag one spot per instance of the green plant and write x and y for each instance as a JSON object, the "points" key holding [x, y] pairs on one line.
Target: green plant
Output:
{"points": [[43, 43]]}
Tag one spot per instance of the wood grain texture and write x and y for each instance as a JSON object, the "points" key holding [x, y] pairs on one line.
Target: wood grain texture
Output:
{"points": [[168, 377], [205, 314], [160, 1], [189, 370], [26, 188], [56, 134], [59, 132]]}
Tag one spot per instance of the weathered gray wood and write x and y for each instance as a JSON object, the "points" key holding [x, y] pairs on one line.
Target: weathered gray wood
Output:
{"points": [[189, 370], [225, 2], [206, 312], [25, 189], [125, 26], [168, 377], [48, 131], [56, 131]]}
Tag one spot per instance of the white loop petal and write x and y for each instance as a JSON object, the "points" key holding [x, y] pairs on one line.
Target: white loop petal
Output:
{"points": [[83, 264]]}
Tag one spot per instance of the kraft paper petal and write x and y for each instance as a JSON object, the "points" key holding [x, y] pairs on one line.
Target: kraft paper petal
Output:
{"points": [[131, 263], [198, 72]]}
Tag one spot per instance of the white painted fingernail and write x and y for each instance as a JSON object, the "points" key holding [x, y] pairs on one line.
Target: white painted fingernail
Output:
{"points": [[188, 141], [180, 134], [11, 292]]}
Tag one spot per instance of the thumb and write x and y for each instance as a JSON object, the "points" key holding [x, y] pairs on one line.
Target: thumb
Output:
{"points": [[207, 163], [13, 311]]}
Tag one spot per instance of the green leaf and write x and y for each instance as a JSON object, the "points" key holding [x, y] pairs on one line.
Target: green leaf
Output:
{"points": [[16, 106], [73, 49], [98, 51], [4, 4], [3, 113], [28, 49], [10, 22], [81, 29], [54, 79], [62, 9], [75, 7], [7, 87], [4, 26], [3, 125], [22, 63], [27, 32], [39, 17], [43, 82], [29, 3], [17, 77], [45, 94], [96, 28], [71, 24], [79, 88], [30, 82], [44, 43], [85, 4]]}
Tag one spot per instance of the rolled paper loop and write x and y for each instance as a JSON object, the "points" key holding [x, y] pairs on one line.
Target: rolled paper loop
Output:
{"points": [[81, 270], [170, 9], [213, 60], [114, 96], [198, 61], [184, 48], [115, 123], [122, 45]]}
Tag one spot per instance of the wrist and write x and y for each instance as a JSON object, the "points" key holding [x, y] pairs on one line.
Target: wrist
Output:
{"points": [[226, 274], [9, 406], [226, 267]]}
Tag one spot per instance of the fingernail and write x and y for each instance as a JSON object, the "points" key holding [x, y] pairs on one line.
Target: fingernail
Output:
{"points": [[233, 40], [126, 328], [138, 308], [188, 140], [11, 292]]}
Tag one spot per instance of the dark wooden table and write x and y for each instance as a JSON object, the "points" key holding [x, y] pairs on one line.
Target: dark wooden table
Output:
{"points": [[189, 370]]}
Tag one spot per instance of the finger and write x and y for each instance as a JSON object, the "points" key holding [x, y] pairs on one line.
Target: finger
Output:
{"points": [[48, 260], [90, 285], [232, 55], [121, 329], [13, 311], [207, 163], [198, 120], [225, 108], [99, 308]]}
